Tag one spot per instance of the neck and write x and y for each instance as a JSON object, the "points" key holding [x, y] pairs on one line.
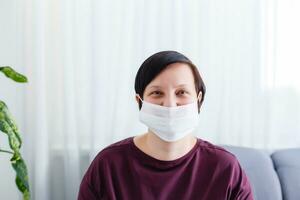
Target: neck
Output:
{"points": [[164, 150]]}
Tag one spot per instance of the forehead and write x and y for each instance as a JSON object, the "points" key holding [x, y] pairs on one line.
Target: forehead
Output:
{"points": [[175, 74]]}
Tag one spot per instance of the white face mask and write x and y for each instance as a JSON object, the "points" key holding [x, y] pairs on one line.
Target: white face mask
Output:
{"points": [[170, 123]]}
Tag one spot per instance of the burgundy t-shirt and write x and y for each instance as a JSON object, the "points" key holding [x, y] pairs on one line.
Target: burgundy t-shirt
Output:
{"points": [[122, 171]]}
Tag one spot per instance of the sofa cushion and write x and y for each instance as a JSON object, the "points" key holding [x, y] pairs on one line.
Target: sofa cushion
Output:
{"points": [[287, 165], [259, 168]]}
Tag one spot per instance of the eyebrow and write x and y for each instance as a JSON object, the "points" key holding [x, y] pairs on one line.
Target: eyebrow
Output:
{"points": [[180, 85]]}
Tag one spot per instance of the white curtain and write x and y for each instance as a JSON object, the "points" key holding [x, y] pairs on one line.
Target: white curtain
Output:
{"points": [[81, 58]]}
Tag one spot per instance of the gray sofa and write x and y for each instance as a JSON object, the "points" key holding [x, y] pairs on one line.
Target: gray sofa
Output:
{"points": [[273, 175]]}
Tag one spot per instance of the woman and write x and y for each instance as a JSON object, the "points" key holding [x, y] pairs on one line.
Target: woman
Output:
{"points": [[166, 162]]}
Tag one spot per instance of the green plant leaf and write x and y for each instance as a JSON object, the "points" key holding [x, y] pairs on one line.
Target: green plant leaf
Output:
{"points": [[21, 175], [12, 74], [8, 126]]}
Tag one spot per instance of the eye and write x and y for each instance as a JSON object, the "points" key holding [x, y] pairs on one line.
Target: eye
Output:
{"points": [[156, 93], [182, 92]]}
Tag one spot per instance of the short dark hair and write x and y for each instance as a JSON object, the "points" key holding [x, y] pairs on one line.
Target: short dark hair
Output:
{"points": [[156, 63]]}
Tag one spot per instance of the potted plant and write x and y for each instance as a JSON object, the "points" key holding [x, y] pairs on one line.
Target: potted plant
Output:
{"points": [[9, 127]]}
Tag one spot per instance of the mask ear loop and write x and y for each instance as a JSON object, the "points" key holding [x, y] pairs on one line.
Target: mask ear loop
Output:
{"points": [[199, 98], [138, 96]]}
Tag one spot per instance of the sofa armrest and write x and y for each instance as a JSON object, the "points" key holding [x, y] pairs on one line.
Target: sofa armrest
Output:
{"points": [[287, 165]]}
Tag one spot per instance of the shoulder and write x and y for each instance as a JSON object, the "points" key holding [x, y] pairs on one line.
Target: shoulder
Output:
{"points": [[217, 154], [100, 168], [230, 169], [114, 150], [116, 147], [114, 153], [225, 163]]}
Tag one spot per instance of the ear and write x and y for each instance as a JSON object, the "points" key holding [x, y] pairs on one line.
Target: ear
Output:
{"points": [[199, 98], [137, 99]]}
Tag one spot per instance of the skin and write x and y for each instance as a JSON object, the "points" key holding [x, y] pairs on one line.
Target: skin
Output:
{"points": [[172, 87]]}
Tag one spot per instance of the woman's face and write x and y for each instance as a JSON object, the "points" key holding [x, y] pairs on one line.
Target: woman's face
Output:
{"points": [[172, 87]]}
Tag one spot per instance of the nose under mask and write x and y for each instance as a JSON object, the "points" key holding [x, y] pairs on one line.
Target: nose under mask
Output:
{"points": [[170, 123]]}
